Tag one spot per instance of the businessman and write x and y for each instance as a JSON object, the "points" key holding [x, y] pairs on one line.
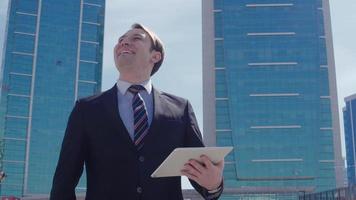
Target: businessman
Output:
{"points": [[123, 134]]}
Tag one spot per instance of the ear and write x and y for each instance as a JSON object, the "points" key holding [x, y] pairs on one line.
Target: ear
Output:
{"points": [[156, 56]]}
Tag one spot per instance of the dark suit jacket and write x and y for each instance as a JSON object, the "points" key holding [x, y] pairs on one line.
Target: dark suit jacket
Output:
{"points": [[96, 136]]}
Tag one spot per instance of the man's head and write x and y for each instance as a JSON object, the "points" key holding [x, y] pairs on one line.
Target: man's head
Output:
{"points": [[139, 50], [157, 45]]}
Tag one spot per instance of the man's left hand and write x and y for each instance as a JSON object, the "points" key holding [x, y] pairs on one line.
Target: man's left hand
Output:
{"points": [[206, 174]]}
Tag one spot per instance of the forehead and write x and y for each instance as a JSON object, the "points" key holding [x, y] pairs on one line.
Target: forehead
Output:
{"points": [[135, 31]]}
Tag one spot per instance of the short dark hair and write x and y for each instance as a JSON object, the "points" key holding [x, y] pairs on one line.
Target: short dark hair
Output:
{"points": [[156, 44]]}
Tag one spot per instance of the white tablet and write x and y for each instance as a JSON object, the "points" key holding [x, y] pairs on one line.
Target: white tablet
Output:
{"points": [[174, 163]]}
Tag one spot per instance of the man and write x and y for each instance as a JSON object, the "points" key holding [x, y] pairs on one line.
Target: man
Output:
{"points": [[124, 134]]}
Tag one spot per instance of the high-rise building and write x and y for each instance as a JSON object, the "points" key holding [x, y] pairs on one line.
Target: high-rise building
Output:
{"points": [[349, 112], [269, 90], [52, 56]]}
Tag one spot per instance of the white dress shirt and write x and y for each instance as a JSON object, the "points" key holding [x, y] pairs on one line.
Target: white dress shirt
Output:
{"points": [[124, 98]]}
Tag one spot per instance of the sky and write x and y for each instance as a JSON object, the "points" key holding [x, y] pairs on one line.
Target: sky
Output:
{"points": [[178, 24]]}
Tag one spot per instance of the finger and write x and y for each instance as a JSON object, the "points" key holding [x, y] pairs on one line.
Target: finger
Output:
{"points": [[189, 168], [190, 176], [207, 162], [199, 167]]}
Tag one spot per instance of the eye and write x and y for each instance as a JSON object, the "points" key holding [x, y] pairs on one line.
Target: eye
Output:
{"points": [[137, 38]]}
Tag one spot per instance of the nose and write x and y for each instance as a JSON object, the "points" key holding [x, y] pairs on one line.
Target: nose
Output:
{"points": [[124, 42]]}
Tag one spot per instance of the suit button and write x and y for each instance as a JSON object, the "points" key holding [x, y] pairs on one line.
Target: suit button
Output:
{"points": [[141, 158], [139, 190]]}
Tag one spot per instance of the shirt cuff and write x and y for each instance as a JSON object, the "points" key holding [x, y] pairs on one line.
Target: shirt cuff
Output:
{"points": [[214, 194], [214, 191]]}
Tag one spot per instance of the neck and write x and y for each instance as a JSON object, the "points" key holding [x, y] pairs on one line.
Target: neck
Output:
{"points": [[133, 78], [135, 74]]}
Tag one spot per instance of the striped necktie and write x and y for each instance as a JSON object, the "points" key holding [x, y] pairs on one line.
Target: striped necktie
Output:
{"points": [[140, 115]]}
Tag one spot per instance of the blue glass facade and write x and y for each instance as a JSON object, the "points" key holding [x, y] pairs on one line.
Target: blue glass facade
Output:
{"points": [[273, 100], [349, 113], [53, 56]]}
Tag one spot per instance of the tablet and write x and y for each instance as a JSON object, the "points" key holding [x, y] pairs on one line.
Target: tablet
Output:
{"points": [[174, 163]]}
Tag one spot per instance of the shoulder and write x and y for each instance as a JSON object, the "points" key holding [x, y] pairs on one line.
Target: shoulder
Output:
{"points": [[97, 98], [172, 99]]}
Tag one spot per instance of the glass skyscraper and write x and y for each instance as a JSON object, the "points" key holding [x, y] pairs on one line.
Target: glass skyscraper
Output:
{"points": [[349, 112], [52, 56], [269, 90]]}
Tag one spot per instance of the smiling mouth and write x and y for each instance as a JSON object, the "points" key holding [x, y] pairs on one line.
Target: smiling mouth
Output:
{"points": [[126, 52]]}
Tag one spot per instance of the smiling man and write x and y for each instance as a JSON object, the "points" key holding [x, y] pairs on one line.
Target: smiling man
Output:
{"points": [[122, 135]]}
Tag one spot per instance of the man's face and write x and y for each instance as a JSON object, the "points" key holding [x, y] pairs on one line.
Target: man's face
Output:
{"points": [[133, 50]]}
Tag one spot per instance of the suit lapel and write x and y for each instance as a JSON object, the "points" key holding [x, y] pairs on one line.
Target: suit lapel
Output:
{"points": [[111, 106]]}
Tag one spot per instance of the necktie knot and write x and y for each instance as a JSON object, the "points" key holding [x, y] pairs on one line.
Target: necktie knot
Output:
{"points": [[134, 89]]}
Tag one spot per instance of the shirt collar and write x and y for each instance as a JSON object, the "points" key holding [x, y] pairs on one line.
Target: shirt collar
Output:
{"points": [[122, 86]]}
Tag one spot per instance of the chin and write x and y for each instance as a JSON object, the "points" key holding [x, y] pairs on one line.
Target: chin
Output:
{"points": [[122, 66], [124, 63]]}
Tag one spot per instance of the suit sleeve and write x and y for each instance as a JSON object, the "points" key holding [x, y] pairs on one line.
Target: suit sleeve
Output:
{"points": [[194, 138], [71, 159]]}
